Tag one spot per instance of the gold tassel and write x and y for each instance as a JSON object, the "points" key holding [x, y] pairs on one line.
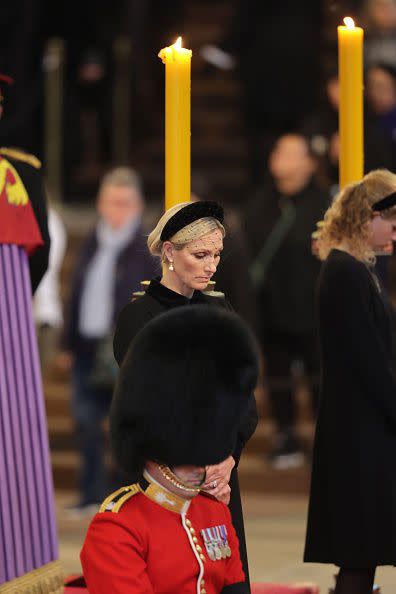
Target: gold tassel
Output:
{"points": [[48, 579]]}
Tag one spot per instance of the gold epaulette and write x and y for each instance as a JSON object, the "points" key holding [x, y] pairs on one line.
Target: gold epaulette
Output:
{"points": [[19, 155], [116, 500]]}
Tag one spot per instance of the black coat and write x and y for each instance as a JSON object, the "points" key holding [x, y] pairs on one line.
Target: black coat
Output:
{"points": [[132, 318], [352, 510], [286, 292]]}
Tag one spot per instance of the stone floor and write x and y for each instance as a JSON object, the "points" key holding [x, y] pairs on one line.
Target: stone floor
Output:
{"points": [[275, 527]]}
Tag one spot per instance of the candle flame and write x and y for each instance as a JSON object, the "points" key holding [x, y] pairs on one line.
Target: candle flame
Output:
{"points": [[178, 43], [349, 23]]}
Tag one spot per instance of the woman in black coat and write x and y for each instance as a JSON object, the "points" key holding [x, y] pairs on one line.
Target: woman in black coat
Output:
{"points": [[352, 511], [189, 240]]}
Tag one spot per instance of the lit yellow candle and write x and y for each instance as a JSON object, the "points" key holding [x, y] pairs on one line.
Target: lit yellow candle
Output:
{"points": [[177, 62], [350, 63]]}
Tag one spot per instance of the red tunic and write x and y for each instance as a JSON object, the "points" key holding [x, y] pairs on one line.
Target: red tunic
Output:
{"points": [[145, 548]]}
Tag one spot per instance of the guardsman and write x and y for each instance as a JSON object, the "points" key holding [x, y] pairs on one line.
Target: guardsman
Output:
{"points": [[183, 387]]}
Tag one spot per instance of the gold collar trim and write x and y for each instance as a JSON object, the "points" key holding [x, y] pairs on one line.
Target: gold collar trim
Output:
{"points": [[163, 497]]}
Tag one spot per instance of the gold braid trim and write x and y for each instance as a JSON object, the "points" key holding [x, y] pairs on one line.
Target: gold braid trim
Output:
{"points": [[19, 155], [116, 500], [48, 579]]}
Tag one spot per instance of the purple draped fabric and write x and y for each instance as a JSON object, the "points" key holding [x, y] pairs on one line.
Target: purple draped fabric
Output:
{"points": [[27, 517]]}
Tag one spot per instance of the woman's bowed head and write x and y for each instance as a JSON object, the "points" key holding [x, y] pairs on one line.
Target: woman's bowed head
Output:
{"points": [[189, 240], [362, 218]]}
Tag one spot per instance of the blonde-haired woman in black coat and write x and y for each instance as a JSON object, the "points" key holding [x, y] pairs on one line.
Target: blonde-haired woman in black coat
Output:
{"points": [[189, 240], [352, 511]]}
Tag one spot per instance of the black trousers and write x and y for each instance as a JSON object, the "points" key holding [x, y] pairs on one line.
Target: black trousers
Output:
{"points": [[355, 581], [282, 350]]}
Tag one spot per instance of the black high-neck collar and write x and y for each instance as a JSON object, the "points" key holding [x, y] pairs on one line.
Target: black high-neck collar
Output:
{"points": [[170, 298], [301, 193]]}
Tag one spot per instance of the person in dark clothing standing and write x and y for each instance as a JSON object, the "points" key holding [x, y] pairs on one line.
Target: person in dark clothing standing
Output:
{"points": [[280, 222], [352, 510], [189, 239], [321, 128], [112, 263], [381, 100]]}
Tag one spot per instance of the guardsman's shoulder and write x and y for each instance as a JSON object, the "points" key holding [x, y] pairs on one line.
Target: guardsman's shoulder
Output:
{"points": [[19, 155], [114, 502]]}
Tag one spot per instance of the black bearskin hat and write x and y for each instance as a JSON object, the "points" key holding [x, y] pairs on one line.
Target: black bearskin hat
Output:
{"points": [[183, 389]]}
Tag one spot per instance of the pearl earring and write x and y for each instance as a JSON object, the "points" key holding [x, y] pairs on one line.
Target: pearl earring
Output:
{"points": [[171, 268]]}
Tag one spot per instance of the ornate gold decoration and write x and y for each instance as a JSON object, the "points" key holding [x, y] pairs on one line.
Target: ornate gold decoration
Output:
{"points": [[19, 155], [116, 500], [14, 190], [48, 579]]}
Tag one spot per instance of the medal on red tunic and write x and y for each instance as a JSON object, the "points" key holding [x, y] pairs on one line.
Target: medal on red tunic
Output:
{"points": [[224, 538], [208, 544], [219, 541], [216, 543]]}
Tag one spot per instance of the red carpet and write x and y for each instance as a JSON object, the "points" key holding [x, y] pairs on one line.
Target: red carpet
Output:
{"points": [[77, 586], [282, 589]]}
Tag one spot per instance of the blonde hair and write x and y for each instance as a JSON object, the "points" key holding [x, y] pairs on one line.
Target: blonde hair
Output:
{"points": [[194, 230], [347, 219], [122, 176]]}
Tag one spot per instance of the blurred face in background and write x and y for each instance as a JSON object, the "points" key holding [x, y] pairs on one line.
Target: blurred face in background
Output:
{"points": [[119, 205], [382, 14], [381, 90], [291, 164], [333, 92]]}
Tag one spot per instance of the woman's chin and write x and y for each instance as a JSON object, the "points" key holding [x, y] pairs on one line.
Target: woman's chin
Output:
{"points": [[385, 250], [198, 284]]}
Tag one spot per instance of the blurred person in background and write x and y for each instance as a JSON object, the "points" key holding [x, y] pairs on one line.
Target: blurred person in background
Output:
{"points": [[280, 221], [380, 32], [381, 100], [321, 127], [112, 262], [380, 85], [47, 305]]}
